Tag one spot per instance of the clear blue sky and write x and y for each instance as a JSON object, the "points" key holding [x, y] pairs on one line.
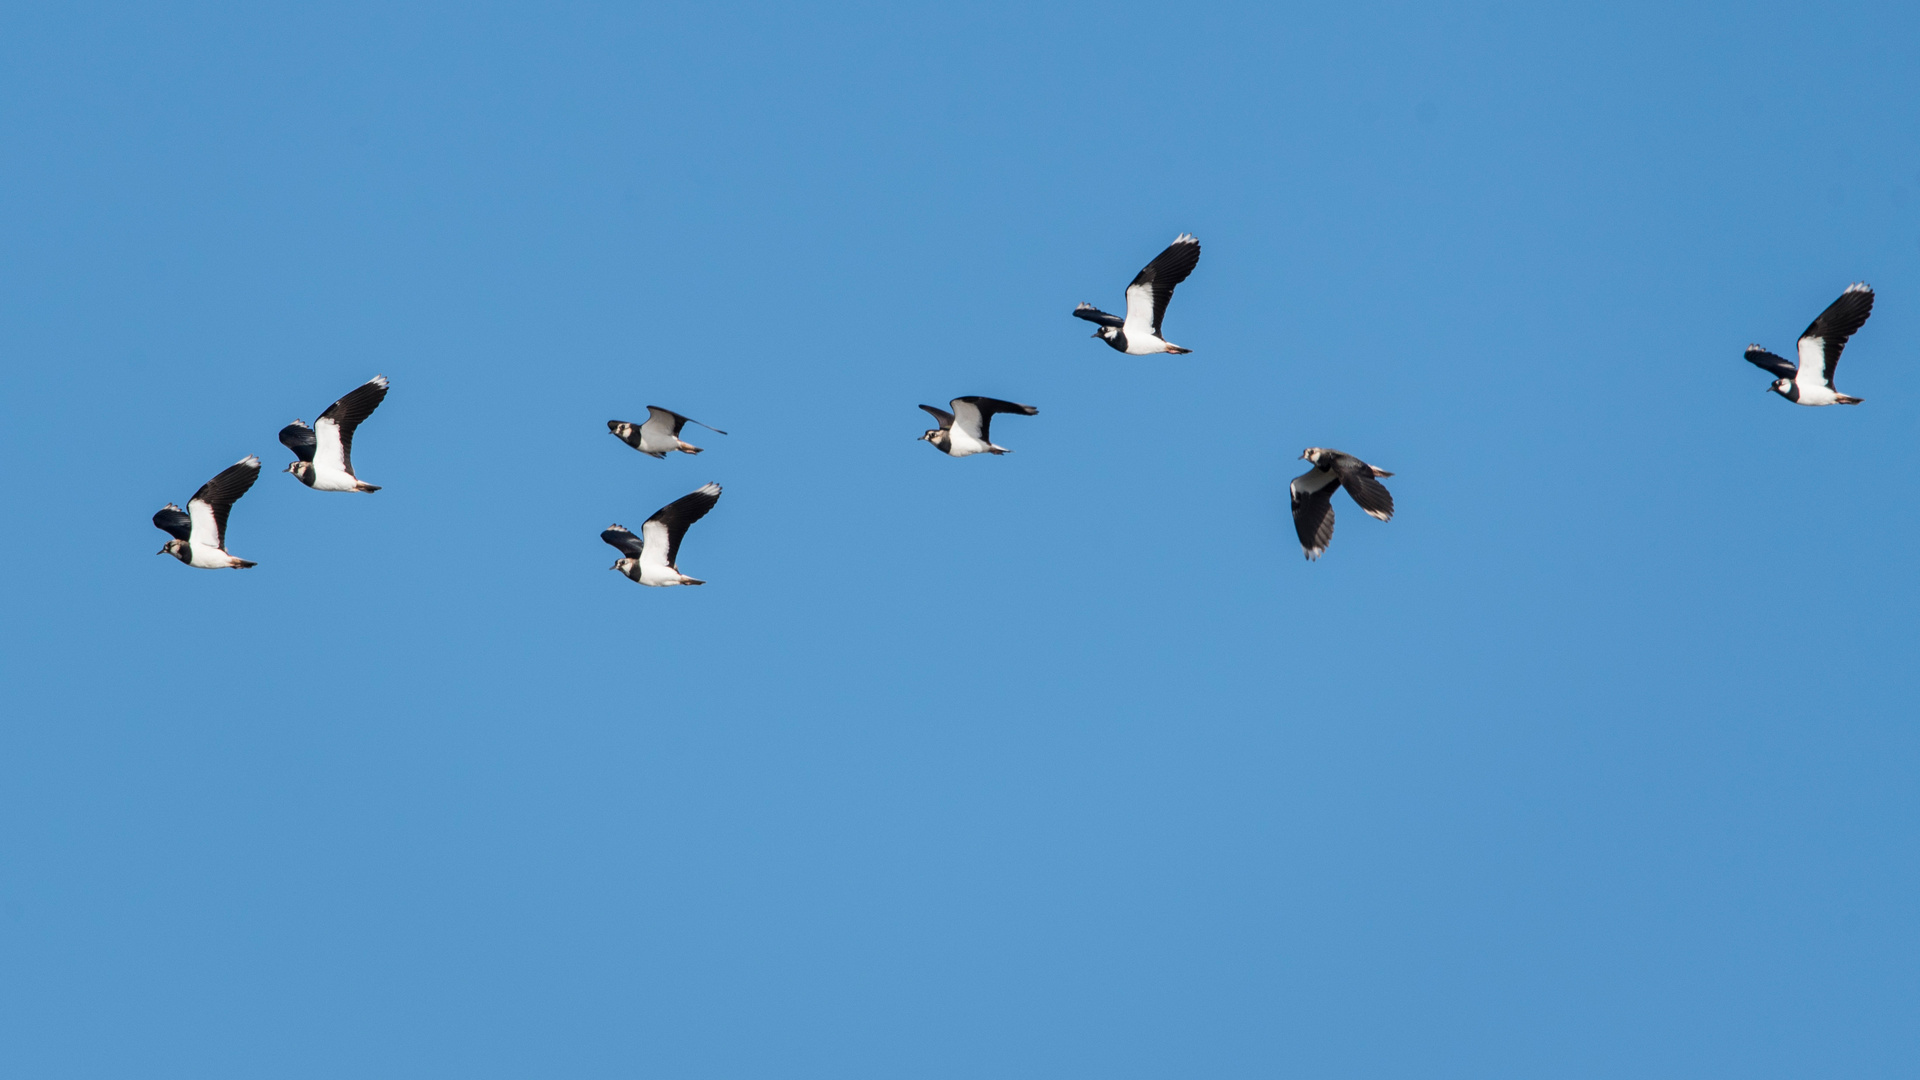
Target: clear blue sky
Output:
{"points": [[1598, 761]]}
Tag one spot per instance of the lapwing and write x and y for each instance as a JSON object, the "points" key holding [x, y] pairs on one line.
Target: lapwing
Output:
{"points": [[1811, 383], [1139, 333], [200, 531], [1313, 495], [964, 430], [649, 558], [326, 449], [659, 435]]}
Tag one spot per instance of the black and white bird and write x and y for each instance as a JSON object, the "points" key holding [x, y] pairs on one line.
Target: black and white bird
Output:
{"points": [[649, 558], [1313, 495], [200, 531], [326, 449], [659, 435], [964, 430], [1811, 382], [1139, 333]]}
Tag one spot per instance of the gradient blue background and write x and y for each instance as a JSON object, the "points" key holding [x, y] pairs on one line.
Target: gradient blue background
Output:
{"points": [[1598, 761]]}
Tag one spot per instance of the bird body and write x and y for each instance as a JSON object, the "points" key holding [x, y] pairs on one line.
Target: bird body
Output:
{"points": [[650, 558], [200, 531], [1312, 495], [965, 431], [1139, 333], [325, 450], [659, 434], [1811, 381]]}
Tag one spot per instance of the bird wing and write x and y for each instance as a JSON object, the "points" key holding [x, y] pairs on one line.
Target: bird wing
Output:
{"points": [[1821, 344], [1358, 478], [654, 411], [668, 525], [1780, 366], [209, 506], [1095, 315], [174, 522], [662, 424], [942, 415], [1312, 493], [621, 538], [333, 432], [1151, 289], [975, 414], [299, 438]]}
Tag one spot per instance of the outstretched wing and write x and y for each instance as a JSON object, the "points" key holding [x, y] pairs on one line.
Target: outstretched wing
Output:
{"points": [[1780, 366], [943, 416], [974, 414], [1151, 289], [662, 426], [1095, 315], [658, 415], [333, 432], [1820, 346], [174, 522], [298, 437], [210, 505], [1358, 478], [622, 539], [664, 530], [1312, 493]]}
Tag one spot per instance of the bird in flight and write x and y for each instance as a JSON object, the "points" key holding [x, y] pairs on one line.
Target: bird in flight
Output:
{"points": [[964, 430], [200, 531], [325, 450], [1313, 495], [1811, 382], [1139, 333], [650, 557], [659, 435]]}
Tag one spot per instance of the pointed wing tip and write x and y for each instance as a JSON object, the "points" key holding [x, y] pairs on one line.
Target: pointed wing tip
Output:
{"points": [[1860, 287], [379, 381], [1187, 238], [250, 461], [709, 488]]}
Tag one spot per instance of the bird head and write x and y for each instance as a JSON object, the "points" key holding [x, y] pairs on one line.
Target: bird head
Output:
{"points": [[175, 548], [298, 468], [1780, 386], [1312, 453]]}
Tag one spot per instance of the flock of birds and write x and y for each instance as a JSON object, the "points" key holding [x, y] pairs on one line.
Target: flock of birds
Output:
{"points": [[325, 450]]}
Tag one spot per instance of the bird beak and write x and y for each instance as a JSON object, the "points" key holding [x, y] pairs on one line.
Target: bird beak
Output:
{"points": [[615, 566], [162, 551], [1096, 333]]}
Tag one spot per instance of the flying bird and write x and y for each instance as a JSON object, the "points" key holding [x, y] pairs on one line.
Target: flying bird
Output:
{"points": [[964, 430], [325, 450], [200, 531], [649, 558], [659, 435], [1811, 383], [1313, 495], [1139, 333]]}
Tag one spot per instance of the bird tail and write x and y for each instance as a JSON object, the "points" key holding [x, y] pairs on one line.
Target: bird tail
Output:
{"points": [[992, 449], [1378, 471], [242, 564], [687, 448], [1846, 400], [685, 580], [1172, 348], [362, 485]]}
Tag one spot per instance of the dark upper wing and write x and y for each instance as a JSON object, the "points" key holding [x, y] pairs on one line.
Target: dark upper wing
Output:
{"points": [[1095, 315], [1358, 478], [299, 438], [1312, 493], [1779, 365], [174, 522], [682, 512], [1834, 326], [1169, 268], [628, 544], [942, 415], [220, 493], [679, 421], [350, 410]]}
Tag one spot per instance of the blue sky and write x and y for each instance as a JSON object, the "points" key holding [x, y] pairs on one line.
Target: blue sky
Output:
{"points": [[1597, 761]]}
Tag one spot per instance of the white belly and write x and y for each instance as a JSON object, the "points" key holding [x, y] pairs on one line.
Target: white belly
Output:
{"points": [[1145, 345], [333, 480], [961, 444], [1818, 395], [207, 558]]}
